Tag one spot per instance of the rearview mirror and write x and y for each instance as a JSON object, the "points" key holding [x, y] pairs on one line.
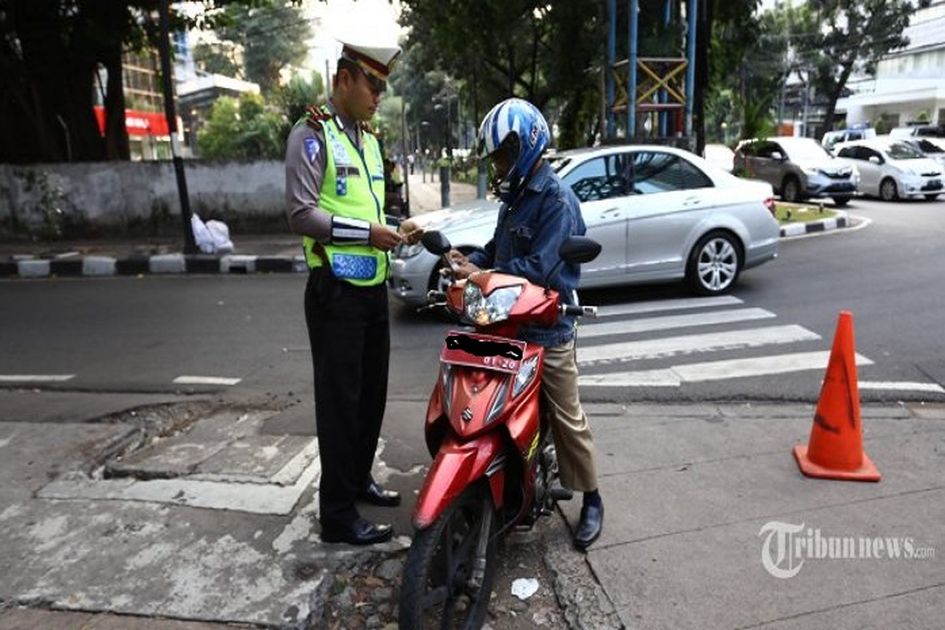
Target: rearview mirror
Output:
{"points": [[579, 250], [777, 155], [875, 160], [435, 242]]}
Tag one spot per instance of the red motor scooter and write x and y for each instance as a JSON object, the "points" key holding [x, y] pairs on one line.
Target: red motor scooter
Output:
{"points": [[494, 464]]}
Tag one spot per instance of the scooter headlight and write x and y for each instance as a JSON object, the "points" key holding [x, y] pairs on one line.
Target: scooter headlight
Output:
{"points": [[483, 310]]}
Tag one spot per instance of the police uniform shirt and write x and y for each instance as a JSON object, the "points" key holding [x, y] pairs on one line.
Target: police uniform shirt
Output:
{"points": [[305, 173]]}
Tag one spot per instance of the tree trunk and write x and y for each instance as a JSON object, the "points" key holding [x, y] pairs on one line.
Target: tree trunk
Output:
{"points": [[835, 96]]}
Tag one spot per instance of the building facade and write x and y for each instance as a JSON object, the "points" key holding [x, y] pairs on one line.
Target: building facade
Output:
{"points": [[909, 86]]}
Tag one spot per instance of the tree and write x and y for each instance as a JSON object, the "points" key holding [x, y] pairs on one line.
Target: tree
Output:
{"points": [[857, 34], [51, 52], [271, 37], [218, 58], [243, 129], [298, 94], [538, 50]]}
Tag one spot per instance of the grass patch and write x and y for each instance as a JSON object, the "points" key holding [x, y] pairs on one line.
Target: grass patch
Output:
{"points": [[796, 213]]}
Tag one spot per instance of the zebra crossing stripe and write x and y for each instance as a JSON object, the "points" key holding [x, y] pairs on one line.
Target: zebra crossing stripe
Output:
{"points": [[667, 322], [716, 370], [903, 386], [36, 378], [690, 344], [205, 380], [654, 306]]}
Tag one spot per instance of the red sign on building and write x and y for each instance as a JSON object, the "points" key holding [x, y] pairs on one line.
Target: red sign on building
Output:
{"points": [[138, 123]]}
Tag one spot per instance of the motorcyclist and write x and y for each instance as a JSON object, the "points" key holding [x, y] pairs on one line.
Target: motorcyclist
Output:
{"points": [[538, 213]]}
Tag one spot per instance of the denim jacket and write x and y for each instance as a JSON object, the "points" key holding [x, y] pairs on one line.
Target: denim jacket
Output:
{"points": [[526, 241]]}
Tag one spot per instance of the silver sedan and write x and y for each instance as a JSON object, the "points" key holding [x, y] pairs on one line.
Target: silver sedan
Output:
{"points": [[661, 215]]}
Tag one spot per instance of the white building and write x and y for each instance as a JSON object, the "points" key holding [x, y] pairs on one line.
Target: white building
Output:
{"points": [[909, 85]]}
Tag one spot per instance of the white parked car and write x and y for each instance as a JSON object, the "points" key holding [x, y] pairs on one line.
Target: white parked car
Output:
{"points": [[660, 214], [891, 169]]}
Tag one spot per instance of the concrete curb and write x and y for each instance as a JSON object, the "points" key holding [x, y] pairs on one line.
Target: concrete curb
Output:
{"points": [[842, 220], [176, 264], [164, 264]]}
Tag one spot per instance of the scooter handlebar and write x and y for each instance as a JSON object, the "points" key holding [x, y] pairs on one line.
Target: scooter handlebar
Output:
{"points": [[573, 310]]}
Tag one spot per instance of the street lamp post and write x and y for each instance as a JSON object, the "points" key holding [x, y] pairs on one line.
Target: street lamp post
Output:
{"points": [[421, 152], [442, 102]]}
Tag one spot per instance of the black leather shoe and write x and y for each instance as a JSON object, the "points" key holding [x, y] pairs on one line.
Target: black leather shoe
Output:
{"points": [[359, 532], [376, 495], [590, 526]]}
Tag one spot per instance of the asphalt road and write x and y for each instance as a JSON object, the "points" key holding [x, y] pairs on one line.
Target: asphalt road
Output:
{"points": [[140, 334]]}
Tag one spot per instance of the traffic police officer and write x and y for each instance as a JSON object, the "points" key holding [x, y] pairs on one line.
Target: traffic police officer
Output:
{"points": [[335, 196]]}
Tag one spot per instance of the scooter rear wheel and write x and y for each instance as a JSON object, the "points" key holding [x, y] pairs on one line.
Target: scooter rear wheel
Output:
{"points": [[451, 566]]}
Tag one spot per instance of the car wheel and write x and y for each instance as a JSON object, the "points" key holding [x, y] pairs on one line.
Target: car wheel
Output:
{"points": [[841, 201], [714, 263], [887, 190], [791, 189], [931, 197]]}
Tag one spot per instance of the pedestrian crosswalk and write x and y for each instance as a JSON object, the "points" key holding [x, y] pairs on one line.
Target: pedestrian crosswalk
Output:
{"points": [[679, 348]]}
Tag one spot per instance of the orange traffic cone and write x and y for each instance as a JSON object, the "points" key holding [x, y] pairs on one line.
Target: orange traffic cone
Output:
{"points": [[835, 450]]}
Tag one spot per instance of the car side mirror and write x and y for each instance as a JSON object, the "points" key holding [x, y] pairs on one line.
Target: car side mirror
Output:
{"points": [[579, 250], [777, 155], [875, 160], [435, 242]]}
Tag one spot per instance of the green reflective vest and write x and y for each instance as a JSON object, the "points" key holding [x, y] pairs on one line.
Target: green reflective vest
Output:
{"points": [[353, 187]]}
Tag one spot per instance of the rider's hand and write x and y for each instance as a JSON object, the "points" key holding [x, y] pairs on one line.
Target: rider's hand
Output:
{"points": [[410, 232], [456, 257], [384, 238], [465, 270]]}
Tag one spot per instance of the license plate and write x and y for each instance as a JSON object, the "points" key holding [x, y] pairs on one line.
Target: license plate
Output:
{"points": [[934, 184], [483, 351]]}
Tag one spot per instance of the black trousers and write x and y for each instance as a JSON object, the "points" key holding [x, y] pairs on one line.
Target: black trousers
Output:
{"points": [[350, 336]]}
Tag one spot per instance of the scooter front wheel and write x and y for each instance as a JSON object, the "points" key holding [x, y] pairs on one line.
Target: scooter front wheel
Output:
{"points": [[450, 567]]}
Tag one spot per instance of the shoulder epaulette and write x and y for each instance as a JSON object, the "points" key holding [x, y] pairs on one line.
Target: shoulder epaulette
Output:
{"points": [[315, 116]]}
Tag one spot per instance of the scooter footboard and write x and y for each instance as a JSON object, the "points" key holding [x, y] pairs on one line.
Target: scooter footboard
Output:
{"points": [[456, 466]]}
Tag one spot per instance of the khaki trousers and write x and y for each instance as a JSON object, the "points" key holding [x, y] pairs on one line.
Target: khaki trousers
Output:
{"points": [[569, 426]]}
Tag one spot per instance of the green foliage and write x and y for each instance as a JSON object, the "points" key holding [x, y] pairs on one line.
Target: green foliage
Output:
{"points": [[217, 58], [272, 35], [298, 94], [243, 129], [541, 51]]}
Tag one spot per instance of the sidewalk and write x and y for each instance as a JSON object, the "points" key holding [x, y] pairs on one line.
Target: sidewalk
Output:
{"points": [[254, 253], [692, 494]]}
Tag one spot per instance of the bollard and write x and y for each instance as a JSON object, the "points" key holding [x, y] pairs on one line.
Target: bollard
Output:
{"points": [[444, 186], [481, 181]]}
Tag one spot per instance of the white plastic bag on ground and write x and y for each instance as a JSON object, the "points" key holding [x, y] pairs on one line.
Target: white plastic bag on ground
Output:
{"points": [[212, 237], [221, 237]]}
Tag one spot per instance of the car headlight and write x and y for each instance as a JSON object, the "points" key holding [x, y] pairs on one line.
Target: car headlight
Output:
{"points": [[483, 310], [812, 171], [908, 171], [409, 251]]}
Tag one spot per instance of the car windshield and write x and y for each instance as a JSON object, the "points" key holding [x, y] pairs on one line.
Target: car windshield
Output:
{"points": [[903, 151], [800, 151]]}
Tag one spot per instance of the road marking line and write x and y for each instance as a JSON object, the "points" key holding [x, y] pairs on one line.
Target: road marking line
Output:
{"points": [[205, 380], [668, 322], [35, 378], [716, 370], [653, 306], [689, 344], [905, 386]]}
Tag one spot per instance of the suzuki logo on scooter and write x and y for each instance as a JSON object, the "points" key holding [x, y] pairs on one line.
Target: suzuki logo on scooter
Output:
{"points": [[467, 414]]}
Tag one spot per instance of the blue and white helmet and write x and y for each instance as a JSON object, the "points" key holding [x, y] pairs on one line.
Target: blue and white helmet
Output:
{"points": [[514, 123]]}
